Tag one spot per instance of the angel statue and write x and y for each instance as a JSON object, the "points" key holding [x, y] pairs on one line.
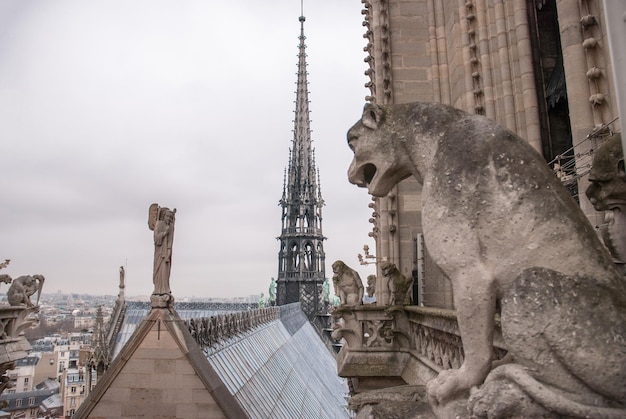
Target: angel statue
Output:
{"points": [[161, 221]]}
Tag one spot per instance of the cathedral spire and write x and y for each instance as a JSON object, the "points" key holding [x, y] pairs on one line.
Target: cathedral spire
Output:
{"points": [[301, 258], [302, 128]]}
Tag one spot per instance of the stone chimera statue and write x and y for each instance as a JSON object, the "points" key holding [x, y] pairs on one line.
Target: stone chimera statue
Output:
{"points": [[22, 288], [400, 287], [348, 284], [503, 229]]}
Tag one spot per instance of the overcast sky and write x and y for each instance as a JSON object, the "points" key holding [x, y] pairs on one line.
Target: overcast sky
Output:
{"points": [[109, 106]]}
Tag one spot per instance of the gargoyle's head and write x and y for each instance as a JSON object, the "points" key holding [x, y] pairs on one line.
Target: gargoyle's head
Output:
{"points": [[607, 177], [380, 161]]}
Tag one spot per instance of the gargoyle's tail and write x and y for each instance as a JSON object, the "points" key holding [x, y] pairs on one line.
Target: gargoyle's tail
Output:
{"points": [[552, 401]]}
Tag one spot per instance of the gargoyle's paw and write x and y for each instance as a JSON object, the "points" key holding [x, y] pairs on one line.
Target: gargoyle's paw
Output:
{"points": [[449, 385], [446, 386], [432, 391]]}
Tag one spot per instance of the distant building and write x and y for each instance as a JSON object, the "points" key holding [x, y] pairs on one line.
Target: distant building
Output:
{"points": [[68, 357], [23, 375], [52, 406], [84, 322], [46, 367], [43, 345], [74, 389], [28, 404]]}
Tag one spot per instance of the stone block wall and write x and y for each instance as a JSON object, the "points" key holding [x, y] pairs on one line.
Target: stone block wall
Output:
{"points": [[157, 382]]}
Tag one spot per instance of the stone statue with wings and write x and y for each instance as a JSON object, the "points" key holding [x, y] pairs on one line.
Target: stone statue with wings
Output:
{"points": [[161, 221]]}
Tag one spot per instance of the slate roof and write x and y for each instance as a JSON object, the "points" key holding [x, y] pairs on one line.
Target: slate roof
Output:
{"points": [[273, 373], [53, 402], [29, 360], [280, 369], [36, 396]]}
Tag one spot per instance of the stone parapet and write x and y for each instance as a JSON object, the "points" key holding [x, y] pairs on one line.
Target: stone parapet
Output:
{"points": [[403, 342]]}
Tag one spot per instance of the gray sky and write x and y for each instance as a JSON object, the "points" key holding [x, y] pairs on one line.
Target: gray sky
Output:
{"points": [[109, 106]]}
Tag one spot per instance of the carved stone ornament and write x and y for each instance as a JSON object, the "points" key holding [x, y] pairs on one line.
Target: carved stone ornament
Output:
{"points": [[504, 230]]}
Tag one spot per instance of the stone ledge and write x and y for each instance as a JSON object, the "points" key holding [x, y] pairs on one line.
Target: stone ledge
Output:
{"points": [[393, 402]]}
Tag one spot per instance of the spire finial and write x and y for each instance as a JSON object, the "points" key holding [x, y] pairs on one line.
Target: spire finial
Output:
{"points": [[301, 18]]}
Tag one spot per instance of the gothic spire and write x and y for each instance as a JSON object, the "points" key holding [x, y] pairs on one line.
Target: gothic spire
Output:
{"points": [[100, 353], [301, 164], [301, 257]]}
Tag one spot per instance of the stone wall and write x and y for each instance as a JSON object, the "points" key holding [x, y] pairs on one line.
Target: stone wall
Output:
{"points": [[157, 381]]}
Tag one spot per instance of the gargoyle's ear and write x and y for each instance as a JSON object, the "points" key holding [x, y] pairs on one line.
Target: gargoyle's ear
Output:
{"points": [[372, 115]]}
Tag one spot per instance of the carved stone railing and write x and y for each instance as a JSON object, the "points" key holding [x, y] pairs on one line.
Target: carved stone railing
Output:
{"points": [[397, 341], [435, 338], [213, 333]]}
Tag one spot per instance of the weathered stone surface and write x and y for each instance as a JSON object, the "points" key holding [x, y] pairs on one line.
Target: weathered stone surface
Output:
{"points": [[160, 373], [503, 229], [403, 402]]}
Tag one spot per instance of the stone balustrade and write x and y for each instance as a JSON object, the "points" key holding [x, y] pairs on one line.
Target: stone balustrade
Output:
{"points": [[409, 342], [436, 341]]}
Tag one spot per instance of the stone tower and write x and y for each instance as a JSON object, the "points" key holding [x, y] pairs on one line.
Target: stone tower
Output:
{"points": [[301, 256]]}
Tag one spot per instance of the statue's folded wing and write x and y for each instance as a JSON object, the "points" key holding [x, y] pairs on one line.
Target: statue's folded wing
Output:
{"points": [[153, 215]]}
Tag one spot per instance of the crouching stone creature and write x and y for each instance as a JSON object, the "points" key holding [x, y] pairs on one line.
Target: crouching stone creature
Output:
{"points": [[501, 226], [400, 287], [22, 288], [348, 284]]}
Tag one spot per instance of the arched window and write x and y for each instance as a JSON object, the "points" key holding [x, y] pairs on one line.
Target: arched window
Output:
{"points": [[281, 257], [320, 255], [309, 259], [294, 257]]}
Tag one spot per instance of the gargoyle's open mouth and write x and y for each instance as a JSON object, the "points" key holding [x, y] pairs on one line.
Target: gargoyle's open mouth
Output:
{"points": [[369, 170]]}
